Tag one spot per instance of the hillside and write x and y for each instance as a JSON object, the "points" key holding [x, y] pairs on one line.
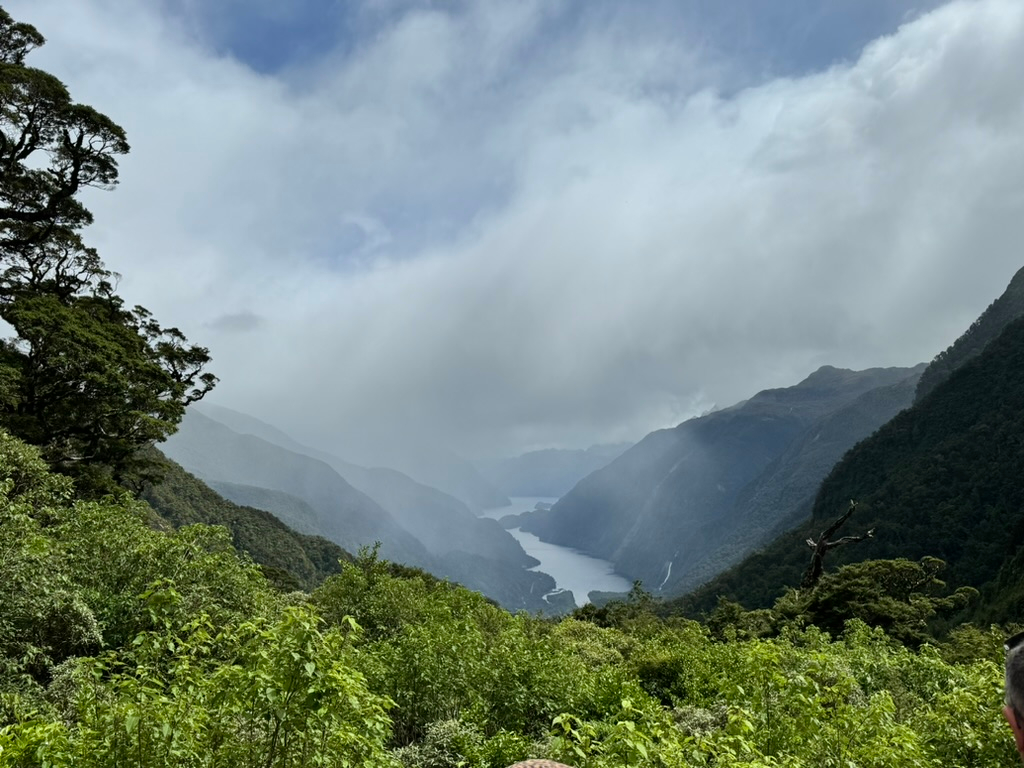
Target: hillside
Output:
{"points": [[783, 495], [686, 501], [441, 522], [455, 543], [1008, 307], [344, 515], [941, 479], [290, 559], [435, 470]]}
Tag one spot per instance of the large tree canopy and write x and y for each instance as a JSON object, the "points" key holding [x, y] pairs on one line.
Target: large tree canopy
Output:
{"points": [[83, 376]]}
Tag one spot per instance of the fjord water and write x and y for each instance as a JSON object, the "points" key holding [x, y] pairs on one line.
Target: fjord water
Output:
{"points": [[569, 568]]}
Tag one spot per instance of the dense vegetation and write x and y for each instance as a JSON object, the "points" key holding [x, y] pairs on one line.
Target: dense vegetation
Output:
{"points": [[290, 559], [121, 644], [84, 377]]}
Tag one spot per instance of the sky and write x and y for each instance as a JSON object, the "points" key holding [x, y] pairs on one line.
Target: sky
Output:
{"points": [[502, 226]]}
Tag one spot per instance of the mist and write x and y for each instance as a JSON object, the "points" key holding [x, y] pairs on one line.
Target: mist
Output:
{"points": [[490, 228]]}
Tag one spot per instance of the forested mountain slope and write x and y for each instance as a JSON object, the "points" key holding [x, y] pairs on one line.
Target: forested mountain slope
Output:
{"points": [[1008, 307], [716, 486], [943, 478], [290, 559]]}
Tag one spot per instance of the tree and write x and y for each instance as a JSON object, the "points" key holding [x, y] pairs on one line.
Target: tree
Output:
{"points": [[823, 545], [900, 596], [84, 377]]}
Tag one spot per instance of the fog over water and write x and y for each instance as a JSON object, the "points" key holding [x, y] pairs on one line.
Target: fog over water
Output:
{"points": [[569, 568]]}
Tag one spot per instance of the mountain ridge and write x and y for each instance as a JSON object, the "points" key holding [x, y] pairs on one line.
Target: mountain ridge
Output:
{"points": [[659, 509], [941, 479]]}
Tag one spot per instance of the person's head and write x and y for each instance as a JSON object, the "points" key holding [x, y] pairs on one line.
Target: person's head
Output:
{"points": [[1014, 704]]}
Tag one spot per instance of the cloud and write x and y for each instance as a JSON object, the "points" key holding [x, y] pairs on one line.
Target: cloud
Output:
{"points": [[506, 226], [237, 322]]}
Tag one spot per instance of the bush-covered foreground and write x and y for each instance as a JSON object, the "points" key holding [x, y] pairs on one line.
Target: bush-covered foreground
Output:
{"points": [[125, 645]]}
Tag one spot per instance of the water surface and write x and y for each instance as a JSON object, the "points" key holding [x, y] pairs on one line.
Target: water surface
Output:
{"points": [[569, 568]]}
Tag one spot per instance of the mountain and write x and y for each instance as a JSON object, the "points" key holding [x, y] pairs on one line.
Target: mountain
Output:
{"points": [[426, 466], [685, 502], [440, 521], [439, 468], [343, 514], [941, 479], [292, 560], [783, 495], [292, 511], [1008, 307], [551, 472], [252, 470]]}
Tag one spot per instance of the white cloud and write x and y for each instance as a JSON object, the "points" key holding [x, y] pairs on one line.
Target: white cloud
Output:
{"points": [[475, 227]]}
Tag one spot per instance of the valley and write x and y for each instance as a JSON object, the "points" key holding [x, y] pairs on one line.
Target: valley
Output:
{"points": [[573, 572]]}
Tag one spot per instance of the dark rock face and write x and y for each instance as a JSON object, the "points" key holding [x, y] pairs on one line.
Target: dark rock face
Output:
{"points": [[684, 503]]}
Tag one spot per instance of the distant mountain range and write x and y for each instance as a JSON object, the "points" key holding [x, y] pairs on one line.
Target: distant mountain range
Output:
{"points": [[429, 465], [550, 472], [290, 559], [352, 506], [685, 503]]}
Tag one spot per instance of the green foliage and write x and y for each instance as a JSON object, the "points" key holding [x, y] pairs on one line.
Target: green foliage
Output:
{"points": [[637, 608], [446, 744], [74, 359], [125, 645], [899, 596], [290, 560], [72, 572], [83, 377], [289, 696]]}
